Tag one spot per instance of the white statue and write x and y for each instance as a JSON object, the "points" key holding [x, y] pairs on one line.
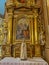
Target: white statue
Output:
{"points": [[23, 54]]}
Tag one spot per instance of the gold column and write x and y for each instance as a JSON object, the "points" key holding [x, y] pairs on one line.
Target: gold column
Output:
{"points": [[32, 31], [9, 36], [35, 26], [37, 45]]}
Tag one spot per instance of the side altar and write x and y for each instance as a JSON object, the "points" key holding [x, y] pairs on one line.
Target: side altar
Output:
{"points": [[23, 20]]}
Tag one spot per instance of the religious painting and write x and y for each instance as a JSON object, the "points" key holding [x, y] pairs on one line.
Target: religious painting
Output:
{"points": [[22, 29]]}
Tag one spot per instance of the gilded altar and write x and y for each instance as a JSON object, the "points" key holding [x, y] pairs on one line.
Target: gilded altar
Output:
{"points": [[23, 20]]}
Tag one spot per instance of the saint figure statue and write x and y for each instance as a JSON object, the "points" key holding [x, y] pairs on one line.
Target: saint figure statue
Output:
{"points": [[23, 54]]}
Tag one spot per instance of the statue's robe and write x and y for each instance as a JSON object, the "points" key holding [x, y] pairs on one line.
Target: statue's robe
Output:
{"points": [[23, 54]]}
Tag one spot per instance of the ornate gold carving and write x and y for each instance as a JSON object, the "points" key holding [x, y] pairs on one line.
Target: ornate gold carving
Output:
{"points": [[6, 50], [37, 50], [1, 31], [16, 50], [9, 3], [26, 3], [30, 2]]}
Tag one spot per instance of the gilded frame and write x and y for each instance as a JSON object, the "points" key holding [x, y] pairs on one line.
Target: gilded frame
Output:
{"points": [[18, 17]]}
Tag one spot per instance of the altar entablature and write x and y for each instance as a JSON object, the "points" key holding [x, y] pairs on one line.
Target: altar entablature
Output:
{"points": [[25, 3], [19, 3]]}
